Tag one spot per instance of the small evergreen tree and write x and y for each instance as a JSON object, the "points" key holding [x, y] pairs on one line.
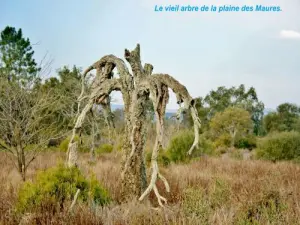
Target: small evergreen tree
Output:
{"points": [[16, 57]]}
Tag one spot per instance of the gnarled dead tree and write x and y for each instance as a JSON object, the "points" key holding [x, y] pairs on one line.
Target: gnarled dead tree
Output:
{"points": [[136, 89]]}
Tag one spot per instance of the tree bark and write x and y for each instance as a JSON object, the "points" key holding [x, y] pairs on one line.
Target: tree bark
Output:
{"points": [[133, 168], [133, 174]]}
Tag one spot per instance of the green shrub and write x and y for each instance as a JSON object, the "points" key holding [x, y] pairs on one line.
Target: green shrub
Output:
{"points": [[119, 145], [53, 149], [269, 209], [55, 186], [179, 146], [181, 143], [279, 146], [236, 154], [105, 148], [202, 203], [223, 141], [248, 142], [163, 157], [196, 204], [65, 143], [206, 146], [221, 150], [220, 193], [31, 147]]}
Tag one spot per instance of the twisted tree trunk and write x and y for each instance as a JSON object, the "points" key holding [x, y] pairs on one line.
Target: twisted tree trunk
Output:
{"points": [[133, 169], [136, 89]]}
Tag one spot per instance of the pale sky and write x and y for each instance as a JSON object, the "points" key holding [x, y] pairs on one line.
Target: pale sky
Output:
{"points": [[203, 50]]}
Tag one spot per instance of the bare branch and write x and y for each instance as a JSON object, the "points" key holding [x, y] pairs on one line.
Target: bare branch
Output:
{"points": [[25, 128]]}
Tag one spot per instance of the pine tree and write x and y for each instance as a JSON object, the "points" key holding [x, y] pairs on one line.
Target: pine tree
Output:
{"points": [[16, 57]]}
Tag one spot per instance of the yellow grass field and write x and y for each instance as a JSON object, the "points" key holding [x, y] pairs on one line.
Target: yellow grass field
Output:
{"points": [[206, 191]]}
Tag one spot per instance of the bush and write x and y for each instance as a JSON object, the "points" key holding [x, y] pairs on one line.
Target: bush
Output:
{"points": [[223, 141], [57, 185], [31, 147], [236, 154], [163, 157], [179, 146], [105, 148], [279, 146], [181, 143], [119, 144], [248, 142], [270, 209], [196, 204], [65, 143], [200, 203]]}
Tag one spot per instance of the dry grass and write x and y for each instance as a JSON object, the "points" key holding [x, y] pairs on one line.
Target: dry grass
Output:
{"points": [[207, 191]]}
